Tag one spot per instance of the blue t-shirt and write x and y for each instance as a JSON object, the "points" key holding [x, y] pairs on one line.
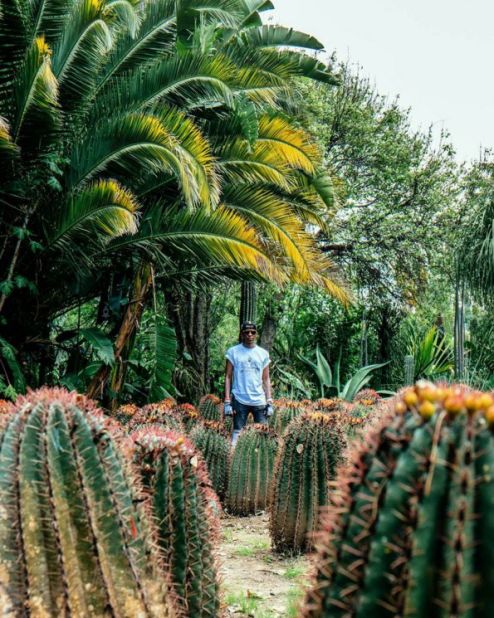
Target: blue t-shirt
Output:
{"points": [[248, 365]]}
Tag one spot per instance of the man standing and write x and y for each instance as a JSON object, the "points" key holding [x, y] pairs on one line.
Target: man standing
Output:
{"points": [[247, 383]]}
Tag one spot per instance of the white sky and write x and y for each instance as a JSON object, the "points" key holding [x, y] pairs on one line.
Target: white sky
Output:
{"points": [[437, 55]]}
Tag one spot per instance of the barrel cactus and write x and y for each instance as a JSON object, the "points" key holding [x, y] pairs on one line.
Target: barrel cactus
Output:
{"points": [[126, 412], [284, 415], [73, 531], [312, 449], [156, 413], [186, 510], [210, 408], [409, 529], [211, 440], [251, 470], [188, 415]]}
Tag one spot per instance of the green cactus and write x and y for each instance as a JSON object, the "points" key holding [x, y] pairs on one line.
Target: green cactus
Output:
{"points": [[311, 451], [156, 413], [211, 408], [284, 415], [187, 511], [408, 531], [251, 470], [73, 531], [212, 441]]}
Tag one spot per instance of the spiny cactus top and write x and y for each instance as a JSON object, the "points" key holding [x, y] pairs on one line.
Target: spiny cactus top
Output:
{"points": [[367, 397], [284, 413], [311, 450], [188, 414], [186, 510], [210, 408], [73, 536], [329, 405], [156, 413], [410, 528]]}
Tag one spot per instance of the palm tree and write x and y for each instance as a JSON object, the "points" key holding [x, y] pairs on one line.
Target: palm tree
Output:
{"points": [[136, 134]]}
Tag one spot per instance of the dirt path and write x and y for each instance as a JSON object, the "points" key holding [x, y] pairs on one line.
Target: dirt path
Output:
{"points": [[257, 582]]}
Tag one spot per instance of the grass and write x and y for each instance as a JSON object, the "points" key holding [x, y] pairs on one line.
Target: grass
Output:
{"points": [[294, 572], [252, 548], [247, 603], [294, 599]]}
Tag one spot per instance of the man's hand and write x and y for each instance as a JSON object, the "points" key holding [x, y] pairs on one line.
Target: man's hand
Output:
{"points": [[269, 409], [227, 409]]}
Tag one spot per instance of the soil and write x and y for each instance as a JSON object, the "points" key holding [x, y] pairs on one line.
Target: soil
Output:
{"points": [[256, 581]]}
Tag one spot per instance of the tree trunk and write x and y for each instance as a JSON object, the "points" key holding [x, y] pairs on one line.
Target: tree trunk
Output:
{"points": [[270, 321], [189, 311], [459, 329], [125, 338]]}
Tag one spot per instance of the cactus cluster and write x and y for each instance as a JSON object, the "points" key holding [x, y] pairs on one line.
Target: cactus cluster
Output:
{"points": [[212, 441], [310, 454], [74, 538], [126, 412], [367, 397], [410, 526], [156, 413], [251, 470], [186, 511], [329, 405]]}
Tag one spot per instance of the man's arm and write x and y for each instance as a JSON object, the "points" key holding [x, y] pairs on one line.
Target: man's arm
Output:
{"points": [[228, 380], [266, 384]]}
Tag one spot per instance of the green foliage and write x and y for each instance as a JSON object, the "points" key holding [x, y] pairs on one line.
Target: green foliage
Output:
{"points": [[159, 339], [211, 440], [75, 538], [330, 381], [408, 531], [311, 451], [432, 353], [251, 470], [100, 343], [187, 510]]}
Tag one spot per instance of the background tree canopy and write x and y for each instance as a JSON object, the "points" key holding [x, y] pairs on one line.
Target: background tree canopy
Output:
{"points": [[154, 155]]}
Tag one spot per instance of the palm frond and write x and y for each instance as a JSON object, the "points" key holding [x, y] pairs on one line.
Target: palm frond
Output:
{"points": [[124, 146], [275, 36], [77, 57], [122, 15], [191, 12], [14, 40], [182, 80], [155, 38], [8, 149], [102, 210], [35, 117], [252, 8], [221, 238], [48, 18]]}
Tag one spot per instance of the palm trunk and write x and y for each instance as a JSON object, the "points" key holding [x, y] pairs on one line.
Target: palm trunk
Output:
{"points": [[125, 338]]}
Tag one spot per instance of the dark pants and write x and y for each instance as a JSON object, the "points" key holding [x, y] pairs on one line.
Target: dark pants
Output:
{"points": [[240, 414]]}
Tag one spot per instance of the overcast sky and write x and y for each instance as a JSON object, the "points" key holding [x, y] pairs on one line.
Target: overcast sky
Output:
{"points": [[437, 55]]}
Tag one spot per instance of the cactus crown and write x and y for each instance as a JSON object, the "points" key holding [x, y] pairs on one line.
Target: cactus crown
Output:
{"points": [[156, 413], [409, 529], [210, 408], [73, 536]]}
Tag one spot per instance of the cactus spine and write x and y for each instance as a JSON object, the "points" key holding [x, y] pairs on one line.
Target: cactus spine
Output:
{"points": [[251, 470], [186, 509], [72, 540], [409, 529], [210, 438], [156, 413], [311, 451]]}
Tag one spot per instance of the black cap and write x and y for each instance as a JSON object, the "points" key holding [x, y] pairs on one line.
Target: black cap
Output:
{"points": [[248, 326]]}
